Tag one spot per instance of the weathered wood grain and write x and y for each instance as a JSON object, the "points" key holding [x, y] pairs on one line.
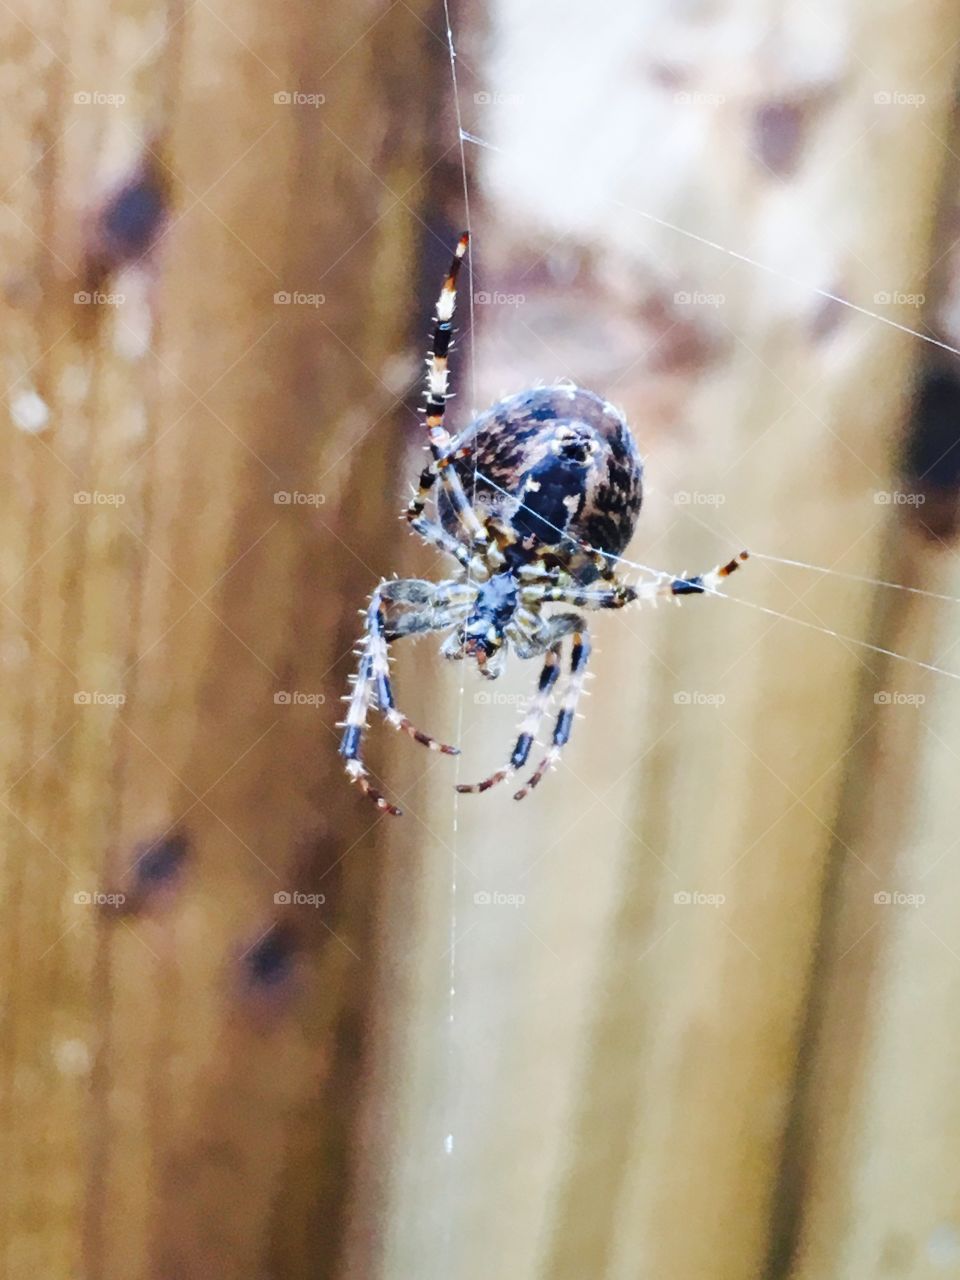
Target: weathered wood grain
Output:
{"points": [[181, 1075]]}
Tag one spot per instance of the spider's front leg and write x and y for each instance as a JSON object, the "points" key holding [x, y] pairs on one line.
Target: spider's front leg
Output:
{"points": [[445, 455], [437, 606]]}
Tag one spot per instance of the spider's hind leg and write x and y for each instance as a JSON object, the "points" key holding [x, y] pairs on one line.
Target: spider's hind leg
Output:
{"points": [[528, 727], [547, 639], [372, 686], [579, 657], [351, 744]]}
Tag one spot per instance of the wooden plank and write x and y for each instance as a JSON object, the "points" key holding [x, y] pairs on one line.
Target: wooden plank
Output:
{"points": [[619, 1069], [182, 1074]]}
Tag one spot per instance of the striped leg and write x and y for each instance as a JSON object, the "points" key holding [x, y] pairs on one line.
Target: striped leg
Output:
{"points": [[615, 597], [441, 445], [700, 584], [372, 683], [583, 597], [352, 741], [436, 536], [579, 656], [529, 726], [428, 478]]}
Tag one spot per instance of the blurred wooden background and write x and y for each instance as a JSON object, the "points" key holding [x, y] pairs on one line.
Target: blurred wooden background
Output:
{"points": [[687, 1035]]}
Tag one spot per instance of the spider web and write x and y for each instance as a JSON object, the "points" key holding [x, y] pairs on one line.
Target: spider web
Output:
{"points": [[449, 1136]]}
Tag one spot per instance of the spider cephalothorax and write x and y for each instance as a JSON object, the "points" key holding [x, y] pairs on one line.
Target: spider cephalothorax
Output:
{"points": [[538, 497]]}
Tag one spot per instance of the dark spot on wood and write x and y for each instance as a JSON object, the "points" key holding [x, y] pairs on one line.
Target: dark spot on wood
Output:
{"points": [[161, 862], [270, 961], [932, 454], [129, 222], [779, 130], [132, 220], [154, 869]]}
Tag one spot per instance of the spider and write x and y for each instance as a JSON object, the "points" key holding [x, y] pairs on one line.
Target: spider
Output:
{"points": [[553, 474]]}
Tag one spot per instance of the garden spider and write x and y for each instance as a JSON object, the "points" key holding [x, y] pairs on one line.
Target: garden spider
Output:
{"points": [[553, 473]]}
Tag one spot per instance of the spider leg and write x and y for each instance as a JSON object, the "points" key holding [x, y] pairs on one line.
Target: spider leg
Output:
{"points": [[380, 677], [352, 740], [429, 476], [579, 656], [459, 597], [699, 584], [619, 594], [372, 684], [615, 597], [441, 445], [529, 726], [434, 535]]}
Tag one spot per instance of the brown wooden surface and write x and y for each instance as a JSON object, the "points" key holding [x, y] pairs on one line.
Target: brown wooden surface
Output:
{"points": [[165, 1112], [501, 1046]]}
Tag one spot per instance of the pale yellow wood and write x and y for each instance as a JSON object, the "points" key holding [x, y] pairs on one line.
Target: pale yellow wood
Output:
{"points": [[873, 1145], [622, 1066]]}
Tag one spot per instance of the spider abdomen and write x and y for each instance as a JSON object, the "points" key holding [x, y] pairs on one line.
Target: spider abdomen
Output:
{"points": [[556, 465]]}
